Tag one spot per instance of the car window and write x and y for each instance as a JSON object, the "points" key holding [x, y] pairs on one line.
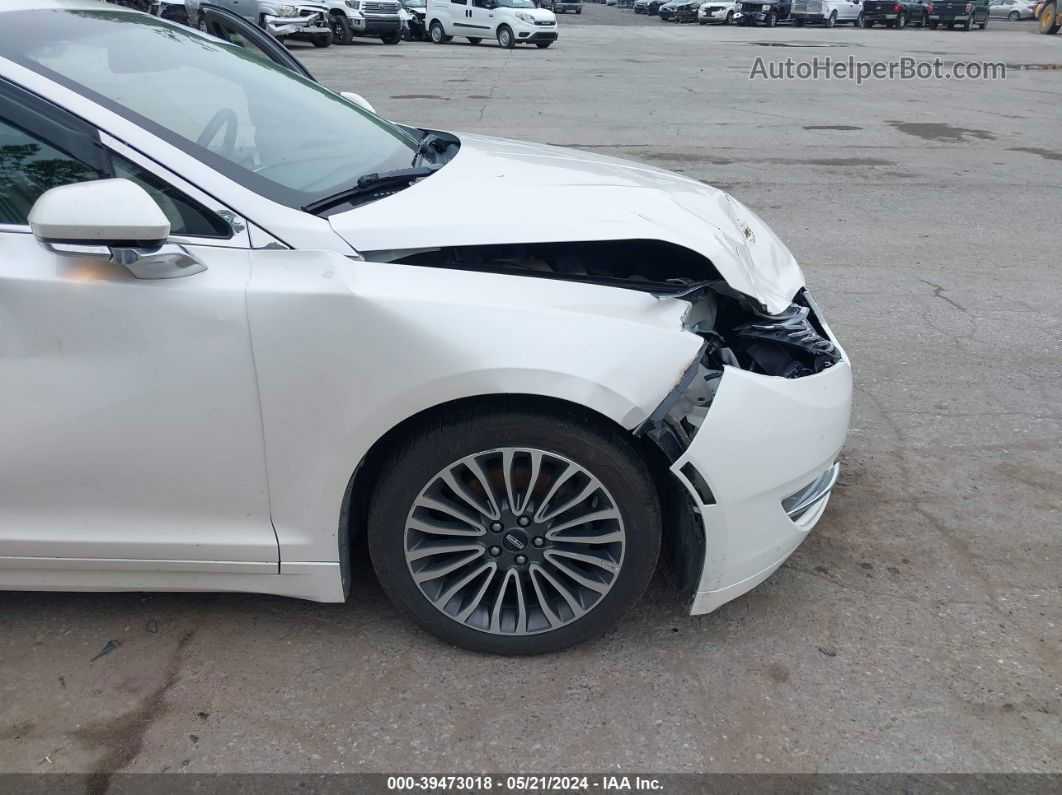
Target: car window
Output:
{"points": [[28, 168], [261, 125], [186, 216]]}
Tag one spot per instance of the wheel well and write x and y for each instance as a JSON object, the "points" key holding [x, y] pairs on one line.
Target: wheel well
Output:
{"points": [[680, 529]]}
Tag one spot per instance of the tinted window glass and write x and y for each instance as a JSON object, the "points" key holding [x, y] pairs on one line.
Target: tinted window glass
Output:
{"points": [[186, 215], [28, 168]]}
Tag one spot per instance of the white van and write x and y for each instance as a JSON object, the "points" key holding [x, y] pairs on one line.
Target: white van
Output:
{"points": [[511, 22], [826, 12]]}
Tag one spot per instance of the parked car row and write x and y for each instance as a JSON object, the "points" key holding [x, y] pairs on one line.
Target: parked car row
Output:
{"points": [[327, 22], [860, 13]]}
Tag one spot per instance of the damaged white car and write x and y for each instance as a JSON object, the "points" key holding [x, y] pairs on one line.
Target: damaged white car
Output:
{"points": [[227, 352]]}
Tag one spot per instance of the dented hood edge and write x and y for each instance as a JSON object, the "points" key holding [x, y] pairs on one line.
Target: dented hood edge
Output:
{"points": [[496, 191]]}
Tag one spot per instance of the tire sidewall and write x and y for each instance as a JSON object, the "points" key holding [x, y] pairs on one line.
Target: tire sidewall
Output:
{"points": [[608, 456]]}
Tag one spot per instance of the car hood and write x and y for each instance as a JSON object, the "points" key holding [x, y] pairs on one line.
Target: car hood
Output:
{"points": [[497, 191]]}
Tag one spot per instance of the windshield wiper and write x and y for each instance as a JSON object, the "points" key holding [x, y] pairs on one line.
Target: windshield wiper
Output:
{"points": [[370, 183], [436, 144]]}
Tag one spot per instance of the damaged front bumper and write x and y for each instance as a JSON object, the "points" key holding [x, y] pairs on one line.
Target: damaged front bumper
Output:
{"points": [[765, 440], [306, 24], [760, 460]]}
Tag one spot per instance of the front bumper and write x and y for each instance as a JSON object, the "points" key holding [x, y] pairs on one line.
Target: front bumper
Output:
{"points": [[529, 35], [765, 440], [308, 24], [753, 16], [379, 24]]}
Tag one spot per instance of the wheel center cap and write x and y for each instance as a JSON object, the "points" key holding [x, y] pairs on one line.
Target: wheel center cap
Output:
{"points": [[515, 540]]}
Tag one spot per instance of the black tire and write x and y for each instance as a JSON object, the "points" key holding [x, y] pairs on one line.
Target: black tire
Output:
{"points": [[506, 38], [702, 21], [968, 24], [599, 448], [321, 40], [771, 21], [901, 21], [393, 37], [542, 45], [438, 34], [729, 18], [578, 11], [983, 25], [1014, 16], [474, 40], [342, 30], [831, 20], [934, 25]]}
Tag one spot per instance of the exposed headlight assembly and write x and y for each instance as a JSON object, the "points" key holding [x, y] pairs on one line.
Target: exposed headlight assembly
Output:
{"points": [[355, 4], [287, 11], [525, 17]]}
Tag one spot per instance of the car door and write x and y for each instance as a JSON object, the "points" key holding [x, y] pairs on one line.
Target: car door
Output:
{"points": [[130, 427], [238, 32], [482, 19]]}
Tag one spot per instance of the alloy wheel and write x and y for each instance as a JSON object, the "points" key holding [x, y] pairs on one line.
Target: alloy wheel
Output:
{"points": [[514, 541]]}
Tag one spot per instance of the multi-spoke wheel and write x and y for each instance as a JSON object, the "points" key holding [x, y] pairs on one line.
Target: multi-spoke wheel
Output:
{"points": [[516, 533]]}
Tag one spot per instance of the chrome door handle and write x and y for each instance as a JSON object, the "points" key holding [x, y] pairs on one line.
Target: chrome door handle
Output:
{"points": [[168, 261]]}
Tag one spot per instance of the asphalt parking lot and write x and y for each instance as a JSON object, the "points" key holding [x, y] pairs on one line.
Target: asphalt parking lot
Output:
{"points": [[920, 626]]}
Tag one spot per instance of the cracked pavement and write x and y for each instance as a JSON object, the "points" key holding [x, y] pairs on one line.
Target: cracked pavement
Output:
{"points": [[920, 626]]}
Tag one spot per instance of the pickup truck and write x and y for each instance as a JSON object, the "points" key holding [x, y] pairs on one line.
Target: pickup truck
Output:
{"points": [[894, 13], [379, 19], [825, 12], [958, 12], [770, 13], [305, 21]]}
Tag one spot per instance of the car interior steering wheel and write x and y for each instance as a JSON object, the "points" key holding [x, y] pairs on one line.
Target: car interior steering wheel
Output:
{"points": [[226, 117]]}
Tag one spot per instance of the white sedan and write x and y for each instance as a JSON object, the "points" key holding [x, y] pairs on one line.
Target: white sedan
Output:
{"points": [[227, 351]]}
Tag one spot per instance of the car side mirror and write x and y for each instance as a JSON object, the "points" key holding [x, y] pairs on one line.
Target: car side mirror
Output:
{"points": [[358, 100], [114, 219]]}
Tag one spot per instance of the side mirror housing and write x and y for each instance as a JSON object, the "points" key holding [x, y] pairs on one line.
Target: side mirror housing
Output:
{"points": [[358, 100], [111, 219], [105, 212]]}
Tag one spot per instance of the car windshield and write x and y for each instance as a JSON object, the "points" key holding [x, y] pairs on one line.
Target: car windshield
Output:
{"points": [[516, 4], [258, 123]]}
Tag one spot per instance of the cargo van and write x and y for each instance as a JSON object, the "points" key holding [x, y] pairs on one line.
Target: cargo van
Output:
{"points": [[511, 22]]}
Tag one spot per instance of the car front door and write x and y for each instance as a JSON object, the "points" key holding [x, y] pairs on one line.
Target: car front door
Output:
{"points": [[482, 19], [130, 427]]}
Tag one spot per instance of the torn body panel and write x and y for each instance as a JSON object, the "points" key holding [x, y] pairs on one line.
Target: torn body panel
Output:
{"points": [[713, 540], [391, 340]]}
